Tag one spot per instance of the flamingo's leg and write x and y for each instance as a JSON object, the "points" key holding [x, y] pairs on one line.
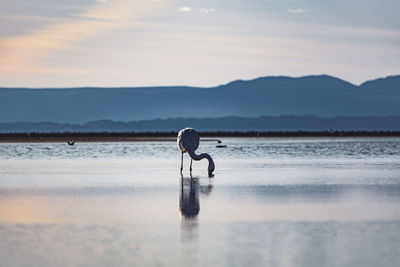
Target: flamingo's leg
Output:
{"points": [[191, 160], [182, 163]]}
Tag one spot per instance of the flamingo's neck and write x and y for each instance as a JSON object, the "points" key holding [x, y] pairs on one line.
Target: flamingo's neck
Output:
{"points": [[211, 165]]}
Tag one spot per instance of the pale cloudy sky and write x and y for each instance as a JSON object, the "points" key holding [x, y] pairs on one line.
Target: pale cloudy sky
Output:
{"points": [[65, 43]]}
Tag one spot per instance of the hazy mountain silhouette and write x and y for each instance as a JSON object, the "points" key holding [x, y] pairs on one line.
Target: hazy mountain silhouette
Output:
{"points": [[317, 95], [231, 123]]}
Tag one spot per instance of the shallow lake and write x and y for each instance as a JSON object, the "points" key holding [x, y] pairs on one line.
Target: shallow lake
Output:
{"points": [[272, 202]]}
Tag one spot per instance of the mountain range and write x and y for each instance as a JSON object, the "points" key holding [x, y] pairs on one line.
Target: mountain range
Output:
{"points": [[321, 96]]}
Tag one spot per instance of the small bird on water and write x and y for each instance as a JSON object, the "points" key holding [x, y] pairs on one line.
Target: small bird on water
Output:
{"points": [[188, 141]]}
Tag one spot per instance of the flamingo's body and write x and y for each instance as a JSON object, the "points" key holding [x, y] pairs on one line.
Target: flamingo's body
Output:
{"points": [[188, 141]]}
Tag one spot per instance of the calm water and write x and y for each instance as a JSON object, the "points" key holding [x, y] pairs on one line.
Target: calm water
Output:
{"points": [[272, 202]]}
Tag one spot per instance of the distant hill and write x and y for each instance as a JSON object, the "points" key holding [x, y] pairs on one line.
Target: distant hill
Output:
{"points": [[263, 123], [274, 96]]}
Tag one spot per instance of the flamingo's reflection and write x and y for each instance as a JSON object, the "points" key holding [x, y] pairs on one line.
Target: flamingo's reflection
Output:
{"points": [[189, 203]]}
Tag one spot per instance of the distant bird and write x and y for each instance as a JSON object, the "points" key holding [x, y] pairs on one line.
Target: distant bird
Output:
{"points": [[71, 143], [188, 141]]}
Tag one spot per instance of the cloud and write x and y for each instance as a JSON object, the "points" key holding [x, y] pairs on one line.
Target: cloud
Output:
{"points": [[296, 11], [207, 10], [185, 9], [202, 10], [24, 53]]}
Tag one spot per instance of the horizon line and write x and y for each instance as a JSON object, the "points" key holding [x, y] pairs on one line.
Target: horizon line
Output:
{"points": [[205, 87]]}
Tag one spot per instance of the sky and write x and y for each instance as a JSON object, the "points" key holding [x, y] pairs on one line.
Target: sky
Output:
{"points": [[70, 43]]}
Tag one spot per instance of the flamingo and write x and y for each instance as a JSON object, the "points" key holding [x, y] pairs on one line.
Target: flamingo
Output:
{"points": [[71, 143], [188, 141]]}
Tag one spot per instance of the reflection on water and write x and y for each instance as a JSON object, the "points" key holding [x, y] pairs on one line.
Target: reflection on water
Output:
{"points": [[189, 206], [189, 203]]}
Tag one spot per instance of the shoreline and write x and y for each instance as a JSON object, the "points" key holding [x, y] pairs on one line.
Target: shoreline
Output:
{"points": [[171, 136]]}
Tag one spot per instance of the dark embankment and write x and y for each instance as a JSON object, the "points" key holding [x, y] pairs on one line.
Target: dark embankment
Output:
{"points": [[171, 136]]}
